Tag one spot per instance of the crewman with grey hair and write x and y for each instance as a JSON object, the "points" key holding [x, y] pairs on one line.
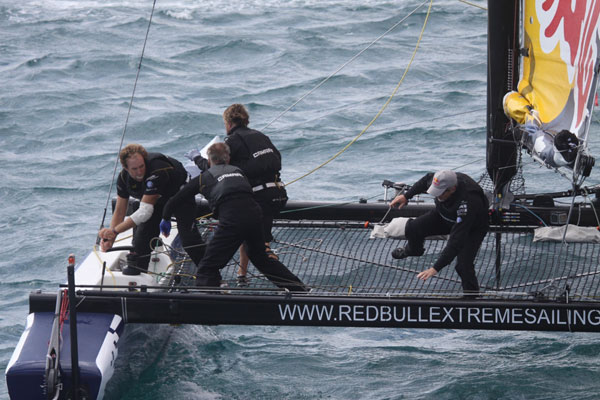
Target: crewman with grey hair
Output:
{"points": [[231, 199], [461, 210]]}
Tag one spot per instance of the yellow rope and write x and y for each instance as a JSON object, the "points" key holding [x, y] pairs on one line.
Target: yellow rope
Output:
{"points": [[95, 249], [382, 108], [473, 4], [204, 216]]}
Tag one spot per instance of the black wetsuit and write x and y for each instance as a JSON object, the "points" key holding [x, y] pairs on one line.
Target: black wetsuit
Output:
{"points": [[464, 216], [164, 176], [260, 161], [230, 196]]}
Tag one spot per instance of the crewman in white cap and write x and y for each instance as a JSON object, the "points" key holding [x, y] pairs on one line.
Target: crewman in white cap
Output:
{"points": [[461, 211]]}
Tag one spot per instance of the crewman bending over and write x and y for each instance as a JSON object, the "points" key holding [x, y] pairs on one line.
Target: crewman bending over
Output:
{"points": [[152, 178], [461, 210], [240, 220]]}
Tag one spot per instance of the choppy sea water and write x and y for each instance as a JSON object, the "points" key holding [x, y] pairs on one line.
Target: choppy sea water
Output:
{"points": [[67, 74]]}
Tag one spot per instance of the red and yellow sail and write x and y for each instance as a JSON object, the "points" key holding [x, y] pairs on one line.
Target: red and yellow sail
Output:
{"points": [[558, 80]]}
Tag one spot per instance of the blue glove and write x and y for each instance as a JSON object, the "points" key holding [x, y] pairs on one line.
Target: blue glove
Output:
{"points": [[165, 227], [192, 154]]}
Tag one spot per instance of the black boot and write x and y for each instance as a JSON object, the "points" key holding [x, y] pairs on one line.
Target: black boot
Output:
{"points": [[403, 252], [208, 279], [132, 268]]}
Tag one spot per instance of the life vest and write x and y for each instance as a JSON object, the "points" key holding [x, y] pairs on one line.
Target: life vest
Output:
{"points": [[223, 181], [176, 171], [179, 171], [264, 160]]}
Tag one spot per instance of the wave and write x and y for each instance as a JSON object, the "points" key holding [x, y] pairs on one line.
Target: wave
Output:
{"points": [[69, 69], [241, 48]]}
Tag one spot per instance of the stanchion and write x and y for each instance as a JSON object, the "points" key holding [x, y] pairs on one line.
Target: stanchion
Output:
{"points": [[73, 328]]}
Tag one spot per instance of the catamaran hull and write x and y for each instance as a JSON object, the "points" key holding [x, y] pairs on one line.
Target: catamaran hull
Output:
{"points": [[99, 337], [98, 332], [102, 313]]}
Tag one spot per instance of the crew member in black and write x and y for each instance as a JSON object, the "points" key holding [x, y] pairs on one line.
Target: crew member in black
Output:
{"points": [[152, 178], [461, 211], [230, 197], [260, 161]]}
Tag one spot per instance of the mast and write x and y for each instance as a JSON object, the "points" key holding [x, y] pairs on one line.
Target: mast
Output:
{"points": [[503, 60]]}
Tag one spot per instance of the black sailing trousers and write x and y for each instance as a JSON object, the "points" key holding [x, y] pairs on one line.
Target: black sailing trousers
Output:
{"points": [[431, 224], [240, 220]]}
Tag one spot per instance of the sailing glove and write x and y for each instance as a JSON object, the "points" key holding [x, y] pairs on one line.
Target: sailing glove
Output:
{"points": [[192, 154], [165, 227]]}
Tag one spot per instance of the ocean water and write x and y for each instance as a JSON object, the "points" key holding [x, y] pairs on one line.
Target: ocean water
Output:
{"points": [[67, 73]]}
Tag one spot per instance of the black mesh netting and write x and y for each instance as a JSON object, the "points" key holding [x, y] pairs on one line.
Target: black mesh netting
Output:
{"points": [[340, 259]]}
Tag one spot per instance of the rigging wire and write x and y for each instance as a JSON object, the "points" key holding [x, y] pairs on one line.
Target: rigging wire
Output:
{"points": [[469, 163], [326, 205], [382, 108], [473, 4], [564, 244], [137, 75], [355, 57], [407, 125], [347, 106], [343, 66]]}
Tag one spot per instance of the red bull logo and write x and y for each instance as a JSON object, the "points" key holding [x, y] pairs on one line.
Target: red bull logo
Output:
{"points": [[572, 25]]}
